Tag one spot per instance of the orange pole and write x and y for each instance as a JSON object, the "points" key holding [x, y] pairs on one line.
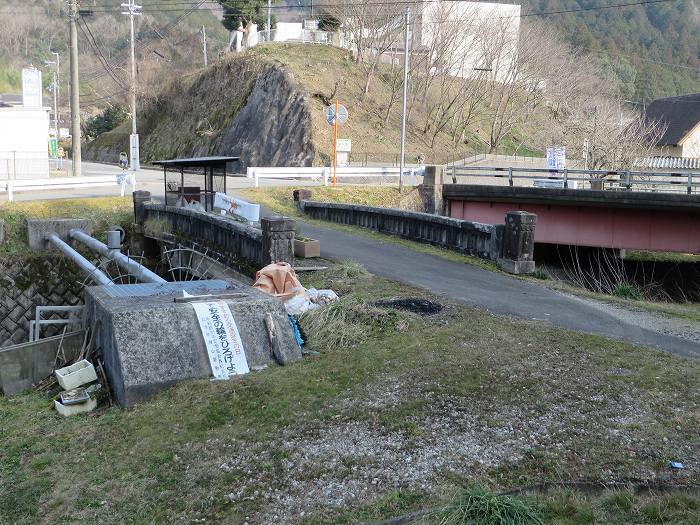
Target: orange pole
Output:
{"points": [[335, 141]]}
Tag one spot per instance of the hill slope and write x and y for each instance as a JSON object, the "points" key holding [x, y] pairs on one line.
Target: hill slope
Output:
{"points": [[638, 43], [267, 106]]}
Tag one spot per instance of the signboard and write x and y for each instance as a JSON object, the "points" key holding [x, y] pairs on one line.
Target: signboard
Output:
{"points": [[556, 158], [31, 88], [123, 160], [247, 210], [311, 25], [134, 152], [226, 354], [344, 145], [53, 147], [342, 114]]}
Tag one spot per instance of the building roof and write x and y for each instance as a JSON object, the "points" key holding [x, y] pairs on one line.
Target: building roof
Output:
{"points": [[679, 114], [196, 162]]}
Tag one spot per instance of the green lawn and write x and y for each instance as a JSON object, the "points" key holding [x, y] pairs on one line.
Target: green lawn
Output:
{"points": [[397, 413]]}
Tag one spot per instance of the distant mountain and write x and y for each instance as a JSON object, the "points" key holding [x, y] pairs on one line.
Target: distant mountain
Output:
{"points": [[653, 49]]}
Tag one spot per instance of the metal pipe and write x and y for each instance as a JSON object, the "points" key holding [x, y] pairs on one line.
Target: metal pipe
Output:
{"points": [[127, 264], [93, 272]]}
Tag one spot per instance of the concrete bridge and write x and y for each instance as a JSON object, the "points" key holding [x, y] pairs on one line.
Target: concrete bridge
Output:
{"points": [[605, 219]]}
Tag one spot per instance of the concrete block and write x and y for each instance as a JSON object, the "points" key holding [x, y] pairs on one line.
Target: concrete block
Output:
{"points": [[516, 267], [73, 410], [38, 228], [25, 364], [75, 375], [150, 342]]}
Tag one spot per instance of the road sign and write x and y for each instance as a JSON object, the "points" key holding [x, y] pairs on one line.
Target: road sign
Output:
{"points": [[344, 145], [331, 115]]}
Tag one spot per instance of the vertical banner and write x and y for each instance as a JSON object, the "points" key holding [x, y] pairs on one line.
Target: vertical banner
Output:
{"points": [[222, 339], [134, 151]]}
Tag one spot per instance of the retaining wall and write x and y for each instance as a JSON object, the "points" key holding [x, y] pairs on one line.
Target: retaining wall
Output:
{"points": [[28, 282], [472, 238]]}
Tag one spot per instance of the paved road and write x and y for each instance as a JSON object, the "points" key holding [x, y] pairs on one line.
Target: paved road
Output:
{"points": [[147, 179], [492, 291]]}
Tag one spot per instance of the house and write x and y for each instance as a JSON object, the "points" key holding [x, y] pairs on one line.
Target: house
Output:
{"points": [[680, 118]]}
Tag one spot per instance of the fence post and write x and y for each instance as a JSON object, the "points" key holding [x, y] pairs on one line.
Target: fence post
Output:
{"points": [[9, 190], [566, 178], [510, 176], [324, 171], [690, 183], [628, 180]]}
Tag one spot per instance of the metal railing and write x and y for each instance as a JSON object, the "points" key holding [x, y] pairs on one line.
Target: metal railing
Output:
{"points": [[618, 180]]}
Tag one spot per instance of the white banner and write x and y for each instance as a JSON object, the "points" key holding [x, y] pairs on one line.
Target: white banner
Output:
{"points": [[247, 210], [222, 339]]}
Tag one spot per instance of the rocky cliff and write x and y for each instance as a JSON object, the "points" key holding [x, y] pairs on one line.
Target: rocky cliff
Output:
{"points": [[244, 106]]}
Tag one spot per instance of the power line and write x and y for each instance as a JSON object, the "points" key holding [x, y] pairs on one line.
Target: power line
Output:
{"points": [[93, 43]]}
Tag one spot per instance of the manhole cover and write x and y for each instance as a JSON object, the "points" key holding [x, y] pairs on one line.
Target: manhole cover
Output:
{"points": [[417, 306]]}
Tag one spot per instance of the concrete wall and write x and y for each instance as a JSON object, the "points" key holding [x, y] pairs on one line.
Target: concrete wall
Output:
{"points": [[481, 240]]}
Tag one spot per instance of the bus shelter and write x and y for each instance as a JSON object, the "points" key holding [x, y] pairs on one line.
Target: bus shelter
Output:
{"points": [[214, 170]]}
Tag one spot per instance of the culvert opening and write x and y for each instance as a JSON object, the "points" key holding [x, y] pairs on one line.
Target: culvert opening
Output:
{"points": [[412, 304]]}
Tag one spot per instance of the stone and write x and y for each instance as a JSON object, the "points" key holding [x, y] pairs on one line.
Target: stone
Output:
{"points": [[37, 229], [277, 240], [150, 342], [140, 198], [302, 195], [518, 243]]}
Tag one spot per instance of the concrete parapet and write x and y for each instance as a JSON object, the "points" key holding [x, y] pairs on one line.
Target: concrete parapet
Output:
{"points": [[473, 238], [37, 229]]}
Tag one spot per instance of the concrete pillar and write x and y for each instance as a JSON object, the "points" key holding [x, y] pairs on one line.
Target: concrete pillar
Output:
{"points": [[277, 239], [140, 197], [431, 190], [518, 243], [302, 195]]}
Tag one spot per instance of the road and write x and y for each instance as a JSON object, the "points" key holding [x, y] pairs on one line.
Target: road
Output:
{"points": [[494, 292], [146, 179]]}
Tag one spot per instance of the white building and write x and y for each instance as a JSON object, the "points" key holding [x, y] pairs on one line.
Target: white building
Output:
{"points": [[24, 133], [463, 38]]}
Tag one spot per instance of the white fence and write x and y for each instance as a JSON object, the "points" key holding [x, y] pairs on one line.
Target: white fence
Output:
{"points": [[14, 186], [325, 174]]}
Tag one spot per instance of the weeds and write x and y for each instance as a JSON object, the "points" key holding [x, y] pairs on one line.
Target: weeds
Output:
{"points": [[627, 291], [475, 505]]}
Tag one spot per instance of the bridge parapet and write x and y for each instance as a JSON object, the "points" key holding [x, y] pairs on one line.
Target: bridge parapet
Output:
{"points": [[234, 240]]}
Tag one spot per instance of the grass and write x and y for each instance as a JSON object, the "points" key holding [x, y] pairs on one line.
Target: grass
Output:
{"points": [[424, 405], [103, 212]]}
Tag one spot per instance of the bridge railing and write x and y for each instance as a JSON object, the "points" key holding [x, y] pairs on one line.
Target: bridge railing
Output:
{"points": [[618, 180]]}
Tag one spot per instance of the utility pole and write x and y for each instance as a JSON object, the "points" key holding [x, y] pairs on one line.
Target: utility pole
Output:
{"points": [[74, 89], [405, 96], [204, 44], [54, 87], [133, 10], [269, 19]]}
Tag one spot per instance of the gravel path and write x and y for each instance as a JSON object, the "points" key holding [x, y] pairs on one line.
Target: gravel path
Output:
{"points": [[658, 322]]}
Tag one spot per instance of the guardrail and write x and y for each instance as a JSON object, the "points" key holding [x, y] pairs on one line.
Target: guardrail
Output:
{"points": [[13, 186], [624, 180], [325, 174]]}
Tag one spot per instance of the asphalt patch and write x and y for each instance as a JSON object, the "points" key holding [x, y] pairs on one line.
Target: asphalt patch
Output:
{"points": [[412, 304]]}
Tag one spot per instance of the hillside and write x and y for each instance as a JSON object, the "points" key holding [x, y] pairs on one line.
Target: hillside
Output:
{"points": [[653, 49], [267, 105]]}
